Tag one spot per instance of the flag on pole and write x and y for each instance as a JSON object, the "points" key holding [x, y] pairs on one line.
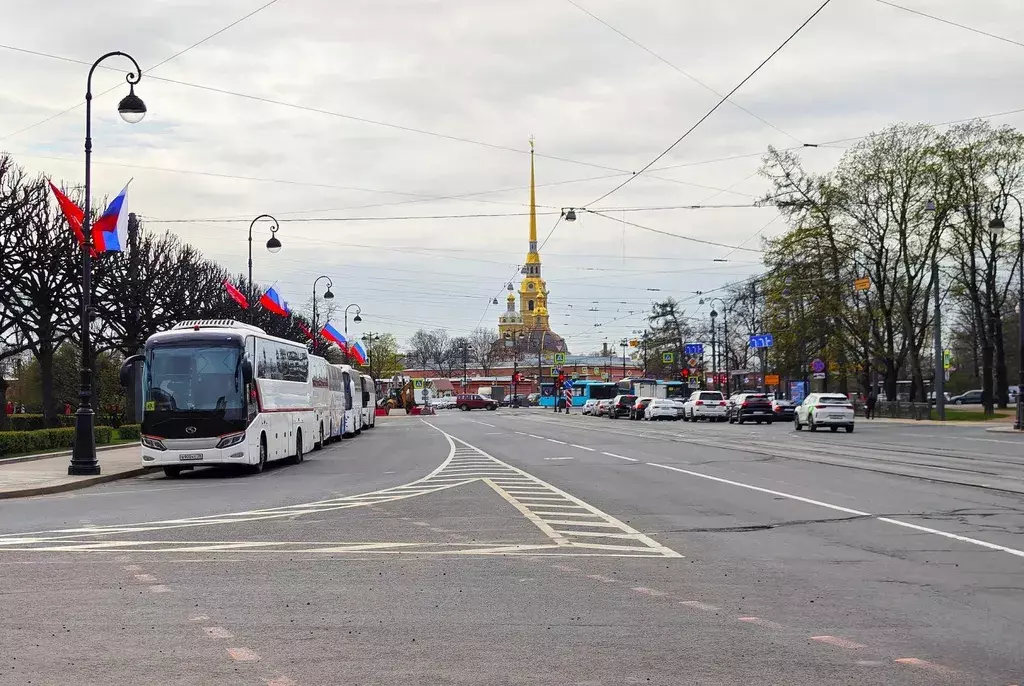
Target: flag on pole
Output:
{"points": [[72, 212], [236, 295], [358, 352], [273, 302], [110, 231], [305, 329], [333, 335]]}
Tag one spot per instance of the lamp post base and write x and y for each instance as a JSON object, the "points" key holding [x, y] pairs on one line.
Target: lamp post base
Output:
{"points": [[83, 452], [1018, 424]]}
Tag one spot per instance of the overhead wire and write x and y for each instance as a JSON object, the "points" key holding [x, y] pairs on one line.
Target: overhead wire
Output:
{"points": [[674, 235], [949, 22]]}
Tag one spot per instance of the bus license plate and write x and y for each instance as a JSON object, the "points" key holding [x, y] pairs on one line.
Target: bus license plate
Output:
{"points": [[190, 457]]}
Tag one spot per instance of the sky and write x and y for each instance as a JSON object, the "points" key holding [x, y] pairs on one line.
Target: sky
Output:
{"points": [[364, 126]]}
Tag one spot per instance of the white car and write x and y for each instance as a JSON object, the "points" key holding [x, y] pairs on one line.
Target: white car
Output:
{"points": [[708, 405], [680, 406], [660, 409], [824, 409], [588, 407]]}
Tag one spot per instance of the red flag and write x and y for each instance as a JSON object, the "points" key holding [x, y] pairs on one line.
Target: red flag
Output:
{"points": [[305, 329], [72, 212], [236, 295]]}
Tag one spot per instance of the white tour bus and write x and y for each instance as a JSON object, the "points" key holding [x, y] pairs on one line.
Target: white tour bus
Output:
{"points": [[337, 388], [223, 392], [352, 422], [369, 401], [323, 403]]}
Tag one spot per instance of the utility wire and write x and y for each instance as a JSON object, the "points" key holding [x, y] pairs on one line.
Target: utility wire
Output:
{"points": [[676, 235], [679, 69], [947, 21], [718, 104], [155, 66]]}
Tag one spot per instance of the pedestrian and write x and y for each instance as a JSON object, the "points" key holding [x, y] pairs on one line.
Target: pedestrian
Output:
{"points": [[869, 406], [10, 408], [67, 409]]}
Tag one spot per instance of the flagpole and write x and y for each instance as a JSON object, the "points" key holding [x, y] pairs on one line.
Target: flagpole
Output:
{"points": [[132, 110]]}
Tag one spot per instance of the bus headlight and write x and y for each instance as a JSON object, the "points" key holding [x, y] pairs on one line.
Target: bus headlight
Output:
{"points": [[231, 439], [153, 442]]}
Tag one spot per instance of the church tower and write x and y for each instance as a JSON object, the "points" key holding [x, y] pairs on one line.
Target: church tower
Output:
{"points": [[533, 293]]}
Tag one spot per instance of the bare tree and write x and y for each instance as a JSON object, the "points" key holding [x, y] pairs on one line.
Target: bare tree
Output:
{"points": [[486, 350]]}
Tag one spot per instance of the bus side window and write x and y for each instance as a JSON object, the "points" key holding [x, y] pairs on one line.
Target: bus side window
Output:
{"points": [[251, 404]]}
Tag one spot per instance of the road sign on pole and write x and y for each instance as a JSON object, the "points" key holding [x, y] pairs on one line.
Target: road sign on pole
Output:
{"points": [[559, 358], [694, 349], [417, 384], [762, 340], [668, 358], [862, 284]]}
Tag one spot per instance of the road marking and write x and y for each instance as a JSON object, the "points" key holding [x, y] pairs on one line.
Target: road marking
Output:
{"points": [[159, 588], [581, 447], [601, 578], [697, 605], [199, 618], [761, 622], [924, 664], [217, 632], [555, 440], [242, 655], [838, 642], [648, 591], [558, 458], [145, 578], [621, 457], [484, 423], [131, 568], [281, 681], [847, 510], [535, 436]]}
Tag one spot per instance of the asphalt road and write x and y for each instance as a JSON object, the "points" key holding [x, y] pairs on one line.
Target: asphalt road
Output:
{"points": [[527, 547]]}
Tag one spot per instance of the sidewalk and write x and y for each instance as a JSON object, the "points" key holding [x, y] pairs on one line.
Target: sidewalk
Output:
{"points": [[20, 478]]}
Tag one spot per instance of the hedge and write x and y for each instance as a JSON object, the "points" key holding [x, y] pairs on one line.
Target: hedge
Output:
{"points": [[35, 422], [46, 440], [129, 431]]}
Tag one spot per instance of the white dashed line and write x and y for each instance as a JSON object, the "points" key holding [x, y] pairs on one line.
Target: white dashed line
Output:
{"points": [[242, 655], [553, 440], [217, 632], [535, 436], [159, 588], [621, 457], [582, 447], [145, 578]]}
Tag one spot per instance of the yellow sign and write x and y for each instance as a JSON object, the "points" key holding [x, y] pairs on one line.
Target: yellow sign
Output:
{"points": [[771, 379], [150, 405], [633, 343], [584, 371], [417, 384], [862, 284], [833, 367]]}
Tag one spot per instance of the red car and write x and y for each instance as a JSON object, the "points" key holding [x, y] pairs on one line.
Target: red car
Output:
{"points": [[475, 402]]}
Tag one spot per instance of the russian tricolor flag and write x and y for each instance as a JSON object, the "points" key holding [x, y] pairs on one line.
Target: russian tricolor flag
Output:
{"points": [[273, 302], [110, 232], [333, 335], [358, 352]]}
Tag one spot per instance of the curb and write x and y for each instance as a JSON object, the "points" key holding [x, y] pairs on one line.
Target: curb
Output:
{"points": [[63, 453], [72, 485]]}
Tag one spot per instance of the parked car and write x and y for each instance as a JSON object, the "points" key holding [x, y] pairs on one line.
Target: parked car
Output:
{"points": [[620, 406], [783, 410], [637, 410], [975, 397], [445, 402], [601, 409], [589, 406], [475, 401], [708, 405], [680, 405], [824, 409], [659, 408], [518, 400], [533, 399], [744, 407]]}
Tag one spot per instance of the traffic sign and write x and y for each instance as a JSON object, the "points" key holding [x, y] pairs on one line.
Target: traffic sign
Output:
{"points": [[633, 343], [862, 284], [692, 362], [605, 376], [947, 359], [694, 349], [417, 384], [668, 358], [597, 370], [819, 375], [762, 340], [771, 379], [584, 371], [559, 358], [818, 366]]}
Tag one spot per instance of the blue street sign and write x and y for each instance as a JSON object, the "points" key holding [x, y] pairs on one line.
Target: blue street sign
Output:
{"points": [[567, 384], [694, 349], [763, 340]]}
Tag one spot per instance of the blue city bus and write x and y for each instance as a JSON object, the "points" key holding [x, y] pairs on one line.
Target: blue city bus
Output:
{"points": [[582, 391]]}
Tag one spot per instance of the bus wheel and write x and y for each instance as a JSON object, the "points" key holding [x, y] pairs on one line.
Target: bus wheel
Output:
{"points": [[258, 467], [297, 458], [172, 472]]}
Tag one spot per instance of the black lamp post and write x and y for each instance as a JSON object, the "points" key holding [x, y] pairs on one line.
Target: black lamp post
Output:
{"points": [[273, 246], [369, 339], [327, 296], [623, 344], [357, 318], [132, 110], [996, 226], [725, 340], [512, 340]]}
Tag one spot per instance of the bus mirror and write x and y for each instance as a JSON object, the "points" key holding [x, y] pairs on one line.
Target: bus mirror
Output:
{"points": [[127, 373], [247, 371]]}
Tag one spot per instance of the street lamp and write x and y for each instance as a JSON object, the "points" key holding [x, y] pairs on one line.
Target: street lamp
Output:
{"points": [[369, 339], [714, 350], [512, 340], [357, 318], [569, 214], [273, 246], [997, 225], [327, 296], [623, 344], [132, 110], [725, 338]]}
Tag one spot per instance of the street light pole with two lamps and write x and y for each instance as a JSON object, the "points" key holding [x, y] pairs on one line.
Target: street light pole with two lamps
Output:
{"points": [[327, 296], [132, 110]]}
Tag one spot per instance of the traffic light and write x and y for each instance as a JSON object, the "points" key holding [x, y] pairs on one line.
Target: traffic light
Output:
{"points": [[722, 379], [561, 379], [517, 377], [685, 373]]}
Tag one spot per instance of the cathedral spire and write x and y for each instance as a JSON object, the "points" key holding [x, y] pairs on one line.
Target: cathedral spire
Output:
{"points": [[533, 203]]}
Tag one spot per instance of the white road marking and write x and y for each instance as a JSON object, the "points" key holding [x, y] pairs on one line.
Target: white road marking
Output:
{"points": [[484, 423], [555, 440], [242, 655], [847, 510], [558, 458], [697, 605], [582, 447], [217, 632], [145, 578], [621, 457], [838, 642], [159, 588], [535, 436]]}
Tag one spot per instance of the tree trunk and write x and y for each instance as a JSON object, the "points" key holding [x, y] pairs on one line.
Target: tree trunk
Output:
{"points": [[4, 422], [987, 353], [46, 378], [1002, 381]]}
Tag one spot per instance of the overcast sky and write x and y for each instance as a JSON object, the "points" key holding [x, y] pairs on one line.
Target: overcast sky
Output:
{"points": [[492, 73]]}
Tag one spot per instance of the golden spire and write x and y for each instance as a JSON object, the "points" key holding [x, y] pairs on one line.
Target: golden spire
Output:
{"points": [[533, 203]]}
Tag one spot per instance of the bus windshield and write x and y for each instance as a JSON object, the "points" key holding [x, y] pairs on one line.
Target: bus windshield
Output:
{"points": [[198, 377]]}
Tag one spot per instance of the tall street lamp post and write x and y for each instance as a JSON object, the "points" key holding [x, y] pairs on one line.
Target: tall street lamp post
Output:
{"points": [[623, 344], [357, 318], [725, 339], [327, 296], [273, 246], [369, 339], [512, 340], [132, 110], [714, 349], [996, 226]]}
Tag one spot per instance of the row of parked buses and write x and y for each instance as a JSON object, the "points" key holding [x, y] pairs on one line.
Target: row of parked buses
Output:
{"points": [[219, 392]]}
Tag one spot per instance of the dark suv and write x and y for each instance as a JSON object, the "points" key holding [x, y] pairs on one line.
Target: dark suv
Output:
{"points": [[621, 405], [475, 402], [750, 406]]}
